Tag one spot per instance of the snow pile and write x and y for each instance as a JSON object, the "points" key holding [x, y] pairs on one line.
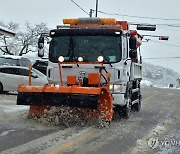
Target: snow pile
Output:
{"points": [[69, 117], [64, 116], [15, 109]]}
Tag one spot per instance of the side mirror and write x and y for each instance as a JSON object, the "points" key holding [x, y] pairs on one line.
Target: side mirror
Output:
{"points": [[40, 52], [132, 43], [125, 62], [40, 47], [41, 42], [133, 54]]}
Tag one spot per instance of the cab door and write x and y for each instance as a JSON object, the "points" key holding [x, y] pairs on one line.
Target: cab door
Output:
{"points": [[126, 60]]}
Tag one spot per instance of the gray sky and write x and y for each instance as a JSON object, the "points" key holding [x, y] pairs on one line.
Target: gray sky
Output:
{"points": [[53, 11]]}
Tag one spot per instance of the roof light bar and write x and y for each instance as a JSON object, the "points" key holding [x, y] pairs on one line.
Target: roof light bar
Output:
{"points": [[107, 20], [90, 21], [70, 21]]}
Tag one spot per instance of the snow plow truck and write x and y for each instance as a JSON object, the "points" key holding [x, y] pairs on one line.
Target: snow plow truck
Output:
{"points": [[94, 64]]}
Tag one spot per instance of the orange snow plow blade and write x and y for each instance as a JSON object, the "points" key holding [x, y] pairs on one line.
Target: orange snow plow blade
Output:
{"points": [[97, 100]]}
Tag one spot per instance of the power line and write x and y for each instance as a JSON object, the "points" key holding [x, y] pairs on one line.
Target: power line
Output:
{"points": [[144, 17], [80, 7], [164, 43], [169, 25], [125, 15], [162, 58], [175, 30], [158, 60]]}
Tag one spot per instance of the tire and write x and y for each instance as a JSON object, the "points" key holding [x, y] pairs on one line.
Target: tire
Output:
{"points": [[124, 111], [1, 88], [137, 106]]}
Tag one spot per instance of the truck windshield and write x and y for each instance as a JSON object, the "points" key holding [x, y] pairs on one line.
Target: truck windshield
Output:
{"points": [[88, 47]]}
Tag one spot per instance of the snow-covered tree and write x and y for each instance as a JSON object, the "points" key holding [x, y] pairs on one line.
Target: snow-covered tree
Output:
{"points": [[6, 42], [24, 41]]}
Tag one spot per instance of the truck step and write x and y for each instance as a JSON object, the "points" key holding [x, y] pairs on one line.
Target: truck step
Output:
{"points": [[135, 101], [135, 90]]}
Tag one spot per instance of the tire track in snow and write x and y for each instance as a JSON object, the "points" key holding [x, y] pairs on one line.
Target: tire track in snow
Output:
{"points": [[160, 130], [49, 142]]}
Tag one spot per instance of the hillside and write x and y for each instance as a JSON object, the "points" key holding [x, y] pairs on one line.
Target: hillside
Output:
{"points": [[159, 76]]}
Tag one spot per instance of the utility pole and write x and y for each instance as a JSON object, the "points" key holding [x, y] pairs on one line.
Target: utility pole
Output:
{"points": [[90, 13], [96, 7]]}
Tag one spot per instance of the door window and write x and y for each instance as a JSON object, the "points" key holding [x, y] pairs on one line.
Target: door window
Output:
{"points": [[9, 71], [23, 72]]}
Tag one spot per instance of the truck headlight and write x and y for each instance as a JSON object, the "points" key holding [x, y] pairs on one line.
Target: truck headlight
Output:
{"points": [[61, 58], [80, 59], [100, 59], [116, 88]]}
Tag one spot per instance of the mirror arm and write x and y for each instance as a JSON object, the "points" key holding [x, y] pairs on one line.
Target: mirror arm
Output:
{"points": [[125, 62]]}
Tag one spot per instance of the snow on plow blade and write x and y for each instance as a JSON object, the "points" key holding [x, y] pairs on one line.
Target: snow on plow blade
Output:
{"points": [[97, 99]]}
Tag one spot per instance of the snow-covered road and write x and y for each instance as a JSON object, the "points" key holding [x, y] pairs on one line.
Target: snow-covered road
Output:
{"points": [[151, 130]]}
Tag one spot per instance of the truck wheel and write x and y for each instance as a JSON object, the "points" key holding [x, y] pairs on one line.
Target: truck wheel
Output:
{"points": [[125, 110], [137, 106], [1, 88]]}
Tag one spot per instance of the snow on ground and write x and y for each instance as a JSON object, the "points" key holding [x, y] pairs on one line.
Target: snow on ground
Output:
{"points": [[8, 108], [146, 83], [6, 133], [13, 109], [171, 143], [65, 117], [12, 112]]}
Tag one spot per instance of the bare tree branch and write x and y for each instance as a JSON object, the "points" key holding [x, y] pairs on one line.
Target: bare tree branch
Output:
{"points": [[24, 41]]}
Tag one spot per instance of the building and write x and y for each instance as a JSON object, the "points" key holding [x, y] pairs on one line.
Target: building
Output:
{"points": [[5, 31]]}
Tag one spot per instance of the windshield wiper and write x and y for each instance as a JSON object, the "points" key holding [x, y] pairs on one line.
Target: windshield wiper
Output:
{"points": [[71, 49], [104, 56]]}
